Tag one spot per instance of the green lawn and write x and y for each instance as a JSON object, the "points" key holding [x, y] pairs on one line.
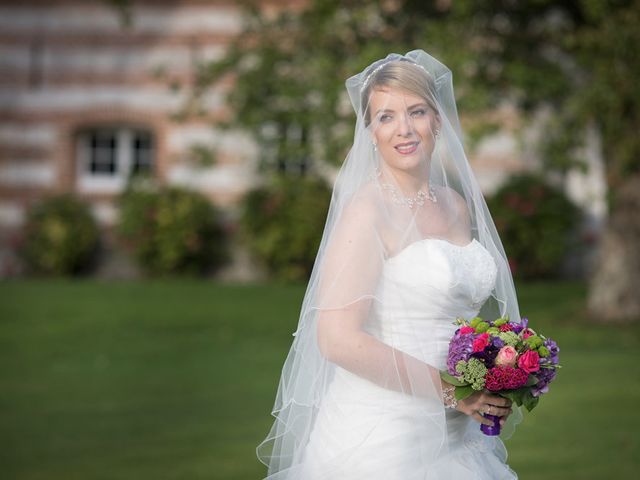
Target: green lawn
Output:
{"points": [[176, 379]]}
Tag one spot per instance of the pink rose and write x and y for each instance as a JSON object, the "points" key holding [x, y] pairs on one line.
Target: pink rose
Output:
{"points": [[507, 356], [465, 330], [527, 332], [529, 361], [480, 342]]}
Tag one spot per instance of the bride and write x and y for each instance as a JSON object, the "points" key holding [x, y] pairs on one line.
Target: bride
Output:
{"points": [[408, 247]]}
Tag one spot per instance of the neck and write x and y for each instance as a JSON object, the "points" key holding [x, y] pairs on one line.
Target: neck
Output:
{"points": [[409, 182]]}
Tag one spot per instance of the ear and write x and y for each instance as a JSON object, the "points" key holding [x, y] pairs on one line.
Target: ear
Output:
{"points": [[438, 122]]}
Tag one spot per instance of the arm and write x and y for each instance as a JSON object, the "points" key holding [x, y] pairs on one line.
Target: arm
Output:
{"points": [[350, 271], [343, 342]]}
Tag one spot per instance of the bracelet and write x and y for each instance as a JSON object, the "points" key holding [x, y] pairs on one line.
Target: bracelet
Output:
{"points": [[448, 395]]}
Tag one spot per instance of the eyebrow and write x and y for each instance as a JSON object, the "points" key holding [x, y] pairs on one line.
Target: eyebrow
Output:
{"points": [[411, 107]]}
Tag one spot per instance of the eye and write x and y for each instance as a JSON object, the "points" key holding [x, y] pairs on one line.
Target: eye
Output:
{"points": [[420, 112], [385, 118]]}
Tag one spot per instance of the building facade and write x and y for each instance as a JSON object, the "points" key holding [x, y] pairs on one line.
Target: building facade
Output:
{"points": [[89, 95]]}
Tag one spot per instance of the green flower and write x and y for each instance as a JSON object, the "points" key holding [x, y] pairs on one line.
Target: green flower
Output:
{"points": [[534, 342], [472, 372], [475, 321], [500, 321], [509, 338], [543, 351], [493, 330], [482, 327]]}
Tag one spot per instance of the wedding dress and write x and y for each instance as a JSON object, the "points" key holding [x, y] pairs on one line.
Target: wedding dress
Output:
{"points": [[364, 431]]}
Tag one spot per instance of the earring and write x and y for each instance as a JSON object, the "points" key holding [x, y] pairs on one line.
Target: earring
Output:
{"points": [[375, 147], [437, 132]]}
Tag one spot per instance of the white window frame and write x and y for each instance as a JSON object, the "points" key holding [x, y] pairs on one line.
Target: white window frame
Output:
{"points": [[107, 182]]}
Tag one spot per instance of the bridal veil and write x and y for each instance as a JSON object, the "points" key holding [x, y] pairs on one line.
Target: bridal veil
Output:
{"points": [[374, 215]]}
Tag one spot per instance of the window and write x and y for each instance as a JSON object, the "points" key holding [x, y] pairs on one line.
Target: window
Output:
{"points": [[107, 156]]}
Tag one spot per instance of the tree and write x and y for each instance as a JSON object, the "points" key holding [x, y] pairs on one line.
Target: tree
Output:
{"points": [[289, 72], [576, 58]]}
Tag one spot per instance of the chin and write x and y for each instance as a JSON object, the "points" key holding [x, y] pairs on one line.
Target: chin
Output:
{"points": [[406, 162]]}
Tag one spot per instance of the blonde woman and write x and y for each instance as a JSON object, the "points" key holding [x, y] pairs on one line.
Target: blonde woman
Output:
{"points": [[408, 247]]}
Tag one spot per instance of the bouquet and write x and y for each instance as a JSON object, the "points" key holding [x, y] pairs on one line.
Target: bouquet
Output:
{"points": [[506, 358]]}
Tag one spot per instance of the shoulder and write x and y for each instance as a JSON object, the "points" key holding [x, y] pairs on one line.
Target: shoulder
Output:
{"points": [[456, 203], [363, 207], [453, 198]]}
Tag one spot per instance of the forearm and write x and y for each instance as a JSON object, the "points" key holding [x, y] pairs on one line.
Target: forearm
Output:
{"points": [[368, 357]]}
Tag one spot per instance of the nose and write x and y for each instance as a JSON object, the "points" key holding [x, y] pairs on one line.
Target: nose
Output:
{"points": [[405, 126]]}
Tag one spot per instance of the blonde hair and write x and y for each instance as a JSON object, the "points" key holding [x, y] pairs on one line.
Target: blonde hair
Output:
{"points": [[403, 75]]}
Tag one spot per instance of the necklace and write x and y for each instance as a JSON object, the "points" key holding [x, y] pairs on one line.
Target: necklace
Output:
{"points": [[418, 199]]}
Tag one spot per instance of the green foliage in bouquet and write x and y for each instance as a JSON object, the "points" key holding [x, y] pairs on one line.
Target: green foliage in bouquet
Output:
{"points": [[60, 236], [536, 223], [171, 230], [282, 224]]}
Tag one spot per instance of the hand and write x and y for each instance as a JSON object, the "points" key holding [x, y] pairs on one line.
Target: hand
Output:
{"points": [[484, 402]]}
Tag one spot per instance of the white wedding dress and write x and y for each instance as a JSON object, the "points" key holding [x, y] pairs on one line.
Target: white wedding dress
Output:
{"points": [[366, 432]]}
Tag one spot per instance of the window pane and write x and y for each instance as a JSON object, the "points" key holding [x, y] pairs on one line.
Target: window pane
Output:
{"points": [[102, 154], [142, 152]]}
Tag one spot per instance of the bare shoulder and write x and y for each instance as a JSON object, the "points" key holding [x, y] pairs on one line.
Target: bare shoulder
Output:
{"points": [[448, 192], [363, 206], [458, 203]]}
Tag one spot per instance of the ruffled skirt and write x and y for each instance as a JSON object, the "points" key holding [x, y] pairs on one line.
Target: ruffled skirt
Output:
{"points": [[363, 431]]}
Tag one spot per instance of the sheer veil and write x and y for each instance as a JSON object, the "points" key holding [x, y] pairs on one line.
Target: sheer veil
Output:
{"points": [[379, 210]]}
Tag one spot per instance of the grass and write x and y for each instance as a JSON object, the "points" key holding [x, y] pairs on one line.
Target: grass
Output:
{"points": [[175, 379]]}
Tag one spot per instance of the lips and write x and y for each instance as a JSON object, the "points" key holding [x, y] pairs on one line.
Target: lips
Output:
{"points": [[407, 148]]}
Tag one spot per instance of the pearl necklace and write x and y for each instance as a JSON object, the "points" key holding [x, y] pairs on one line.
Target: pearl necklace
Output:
{"points": [[418, 199]]}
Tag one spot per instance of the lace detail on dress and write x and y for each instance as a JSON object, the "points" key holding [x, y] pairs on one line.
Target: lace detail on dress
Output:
{"points": [[475, 264]]}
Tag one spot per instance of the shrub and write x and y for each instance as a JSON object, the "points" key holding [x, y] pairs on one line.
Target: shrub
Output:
{"points": [[536, 223], [60, 236], [282, 224], [171, 230]]}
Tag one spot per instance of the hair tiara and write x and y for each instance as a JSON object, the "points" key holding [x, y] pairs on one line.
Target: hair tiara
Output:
{"points": [[386, 62]]}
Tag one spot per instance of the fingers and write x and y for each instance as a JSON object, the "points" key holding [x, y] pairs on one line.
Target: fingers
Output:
{"points": [[497, 401], [479, 418], [497, 411]]}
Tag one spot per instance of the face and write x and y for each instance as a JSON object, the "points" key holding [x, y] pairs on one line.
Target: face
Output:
{"points": [[403, 126]]}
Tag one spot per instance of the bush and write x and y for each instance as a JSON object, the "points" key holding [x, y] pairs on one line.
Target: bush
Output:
{"points": [[60, 236], [536, 223], [283, 224], [171, 230]]}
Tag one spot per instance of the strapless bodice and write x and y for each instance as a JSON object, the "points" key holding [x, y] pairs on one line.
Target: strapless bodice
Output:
{"points": [[424, 288]]}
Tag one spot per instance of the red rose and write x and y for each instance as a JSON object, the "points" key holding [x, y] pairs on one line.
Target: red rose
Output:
{"points": [[481, 342], [507, 327], [465, 330], [529, 361]]}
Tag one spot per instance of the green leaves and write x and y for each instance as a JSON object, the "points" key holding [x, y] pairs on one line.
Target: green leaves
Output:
{"points": [[522, 396], [60, 236], [463, 389], [450, 379], [463, 392]]}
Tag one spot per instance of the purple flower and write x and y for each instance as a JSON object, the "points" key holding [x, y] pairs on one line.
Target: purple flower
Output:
{"points": [[518, 327], [544, 376], [488, 355], [460, 348], [553, 351]]}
